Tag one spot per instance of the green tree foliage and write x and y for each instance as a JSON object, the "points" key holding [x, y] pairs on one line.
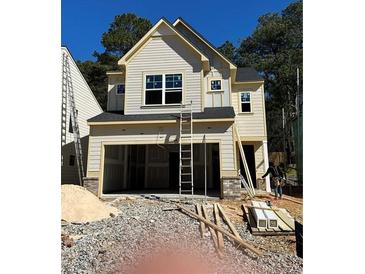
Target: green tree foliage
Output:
{"points": [[95, 76], [124, 32], [275, 49], [228, 50]]}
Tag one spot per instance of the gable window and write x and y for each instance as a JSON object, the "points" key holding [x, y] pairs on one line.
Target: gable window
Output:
{"points": [[215, 85], [245, 102], [120, 89], [163, 89]]}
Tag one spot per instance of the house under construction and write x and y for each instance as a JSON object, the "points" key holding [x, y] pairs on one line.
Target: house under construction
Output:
{"points": [[180, 118]]}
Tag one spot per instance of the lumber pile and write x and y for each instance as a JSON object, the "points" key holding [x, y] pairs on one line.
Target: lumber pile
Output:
{"points": [[216, 230], [264, 220]]}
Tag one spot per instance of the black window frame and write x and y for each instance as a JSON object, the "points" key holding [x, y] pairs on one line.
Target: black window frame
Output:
{"points": [[220, 85], [242, 102], [166, 89]]}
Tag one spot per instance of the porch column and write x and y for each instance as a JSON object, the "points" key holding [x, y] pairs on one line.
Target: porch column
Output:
{"points": [[266, 164]]}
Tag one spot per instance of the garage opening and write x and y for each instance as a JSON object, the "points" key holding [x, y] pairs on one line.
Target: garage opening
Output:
{"points": [[137, 169]]}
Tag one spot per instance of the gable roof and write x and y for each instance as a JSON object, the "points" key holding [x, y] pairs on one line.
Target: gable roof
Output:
{"points": [[248, 74], [67, 51], [126, 57], [201, 37]]}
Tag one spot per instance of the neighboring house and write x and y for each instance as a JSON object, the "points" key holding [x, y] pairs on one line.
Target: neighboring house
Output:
{"points": [[134, 145], [87, 107]]}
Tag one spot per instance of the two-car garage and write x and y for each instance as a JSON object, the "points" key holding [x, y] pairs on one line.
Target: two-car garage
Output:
{"points": [[154, 168]]}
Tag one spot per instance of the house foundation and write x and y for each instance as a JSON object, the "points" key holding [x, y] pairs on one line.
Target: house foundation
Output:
{"points": [[230, 187]]}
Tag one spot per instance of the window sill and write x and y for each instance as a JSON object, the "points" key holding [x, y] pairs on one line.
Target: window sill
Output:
{"points": [[162, 106], [244, 113], [215, 91]]}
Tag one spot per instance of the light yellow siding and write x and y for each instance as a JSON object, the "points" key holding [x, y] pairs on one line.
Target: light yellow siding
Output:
{"points": [[250, 124], [136, 134], [115, 101], [167, 54]]}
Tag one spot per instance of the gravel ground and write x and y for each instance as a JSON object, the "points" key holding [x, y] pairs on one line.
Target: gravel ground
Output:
{"points": [[118, 244]]}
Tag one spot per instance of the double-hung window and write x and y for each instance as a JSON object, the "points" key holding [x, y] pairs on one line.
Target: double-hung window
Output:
{"points": [[153, 89], [163, 89], [245, 100], [173, 88]]}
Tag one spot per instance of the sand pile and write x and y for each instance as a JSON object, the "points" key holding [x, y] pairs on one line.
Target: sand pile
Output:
{"points": [[80, 205]]}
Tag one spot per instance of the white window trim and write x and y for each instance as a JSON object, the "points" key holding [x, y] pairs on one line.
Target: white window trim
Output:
{"points": [[240, 102], [210, 84], [116, 89], [163, 89]]}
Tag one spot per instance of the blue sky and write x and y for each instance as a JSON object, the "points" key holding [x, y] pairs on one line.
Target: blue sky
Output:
{"points": [[84, 21]]}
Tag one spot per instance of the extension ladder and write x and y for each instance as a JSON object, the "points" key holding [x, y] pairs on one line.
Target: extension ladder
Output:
{"points": [[186, 175], [68, 95]]}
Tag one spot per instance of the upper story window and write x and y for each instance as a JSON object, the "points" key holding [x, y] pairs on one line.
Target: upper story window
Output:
{"points": [[120, 89], [245, 98], [215, 85], [163, 89]]}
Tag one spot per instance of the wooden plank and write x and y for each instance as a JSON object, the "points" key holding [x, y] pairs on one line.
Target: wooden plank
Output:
{"points": [[250, 219], [243, 157], [241, 243], [202, 225], [218, 223], [282, 225], [283, 215], [289, 198], [227, 220], [212, 233]]}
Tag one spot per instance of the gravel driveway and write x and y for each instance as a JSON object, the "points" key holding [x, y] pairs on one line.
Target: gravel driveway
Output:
{"points": [[118, 244]]}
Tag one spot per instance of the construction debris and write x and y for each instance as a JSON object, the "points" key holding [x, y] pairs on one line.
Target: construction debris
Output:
{"points": [[202, 225], [267, 221], [113, 245], [230, 225], [213, 233], [80, 205], [241, 243], [218, 223]]}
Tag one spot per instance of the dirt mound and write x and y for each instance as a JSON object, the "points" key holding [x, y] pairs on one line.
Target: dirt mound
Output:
{"points": [[80, 205]]}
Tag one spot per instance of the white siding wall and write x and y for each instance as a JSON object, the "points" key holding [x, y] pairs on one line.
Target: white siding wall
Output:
{"points": [[137, 134], [250, 124], [85, 101], [87, 107], [166, 54]]}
